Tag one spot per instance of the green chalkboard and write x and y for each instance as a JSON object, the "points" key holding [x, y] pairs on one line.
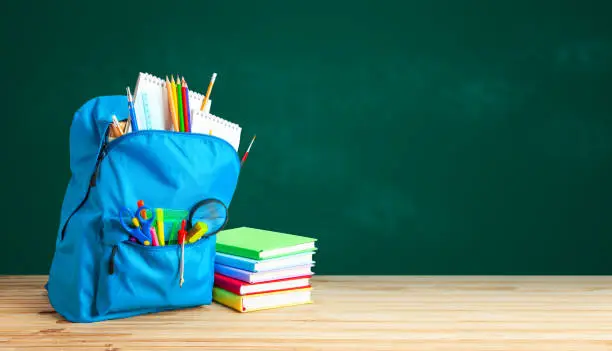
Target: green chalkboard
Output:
{"points": [[409, 137]]}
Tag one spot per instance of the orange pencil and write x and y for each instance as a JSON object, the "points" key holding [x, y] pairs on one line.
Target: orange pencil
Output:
{"points": [[171, 104]]}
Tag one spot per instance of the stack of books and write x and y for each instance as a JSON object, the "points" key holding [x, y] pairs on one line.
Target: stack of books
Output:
{"points": [[259, 269]]}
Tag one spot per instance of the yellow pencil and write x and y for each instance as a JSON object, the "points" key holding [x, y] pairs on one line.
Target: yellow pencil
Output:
{"points": [[159, 213], [171, 104], [210, 86], [174, 103]]}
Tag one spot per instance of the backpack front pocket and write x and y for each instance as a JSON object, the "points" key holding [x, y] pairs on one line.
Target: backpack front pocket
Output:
{"points": [[165, 170], [134, 277]]}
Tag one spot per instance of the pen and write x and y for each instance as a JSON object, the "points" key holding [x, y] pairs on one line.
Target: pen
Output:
{"points": [[210, 86], [181, 238], [246, 154], [131, 110]]}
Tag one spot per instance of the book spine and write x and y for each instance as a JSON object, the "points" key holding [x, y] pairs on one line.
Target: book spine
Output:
{"points": [[227, 271], [234, 262], [238, 251], [225, 285], [228, 299]]}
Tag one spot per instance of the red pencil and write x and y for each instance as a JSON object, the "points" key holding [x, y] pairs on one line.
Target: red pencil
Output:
{"points": [[185, 115], [246, 154]]}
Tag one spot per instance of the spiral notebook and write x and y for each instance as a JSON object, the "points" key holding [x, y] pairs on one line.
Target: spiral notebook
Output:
{"points": [[151, 103], [206, 123], [152, 112]]}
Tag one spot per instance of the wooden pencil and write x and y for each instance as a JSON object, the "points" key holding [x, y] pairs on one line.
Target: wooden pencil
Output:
{"points": [[179, 104], [210, 86], [171, 104]]}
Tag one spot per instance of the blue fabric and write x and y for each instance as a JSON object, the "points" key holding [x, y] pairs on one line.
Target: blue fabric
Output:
{"points": [[164, 169]]}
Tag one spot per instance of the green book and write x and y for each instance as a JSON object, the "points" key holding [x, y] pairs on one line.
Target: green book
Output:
{"points": [[258, 244]]}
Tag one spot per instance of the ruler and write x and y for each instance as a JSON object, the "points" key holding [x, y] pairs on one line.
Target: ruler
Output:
{"points": [[145, 107]]}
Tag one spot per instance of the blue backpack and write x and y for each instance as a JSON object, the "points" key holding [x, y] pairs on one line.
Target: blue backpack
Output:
{"points": [[97, 273]]}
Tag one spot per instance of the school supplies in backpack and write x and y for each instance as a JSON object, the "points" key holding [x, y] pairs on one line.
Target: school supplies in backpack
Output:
{"points": [[97, 272], [165, 104]]}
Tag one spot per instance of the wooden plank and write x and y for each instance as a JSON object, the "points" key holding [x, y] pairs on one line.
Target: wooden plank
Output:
{"points": [[349, 313]]}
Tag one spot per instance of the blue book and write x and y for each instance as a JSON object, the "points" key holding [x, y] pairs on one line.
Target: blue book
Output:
{"points": [[251, 265], [258, 277]]}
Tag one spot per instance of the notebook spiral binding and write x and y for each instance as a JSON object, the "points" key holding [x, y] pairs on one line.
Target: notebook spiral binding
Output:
{"points": [[222, 121], [149, 78]]}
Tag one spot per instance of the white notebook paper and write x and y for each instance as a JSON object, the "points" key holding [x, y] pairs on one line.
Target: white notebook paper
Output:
{"points": [[259, 277], [206, 123], [151, 103]]}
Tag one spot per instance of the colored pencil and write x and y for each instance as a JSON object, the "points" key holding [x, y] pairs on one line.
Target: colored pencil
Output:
{"points": [[246, 154], [171, 104], [131, 110], [159, 222], [175, 103], [185, 105], [126, 127], [179, 101], [116, 127], [210, 86]]}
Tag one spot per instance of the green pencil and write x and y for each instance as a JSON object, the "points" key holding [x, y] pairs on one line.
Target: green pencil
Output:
{"points": [[179, 101]]}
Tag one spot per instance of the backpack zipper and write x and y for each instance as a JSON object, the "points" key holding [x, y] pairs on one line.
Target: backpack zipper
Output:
{"points": [[96, 173], [111, 262], [92, 183]]}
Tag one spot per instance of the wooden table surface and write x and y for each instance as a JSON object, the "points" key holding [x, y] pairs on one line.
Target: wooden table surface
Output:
{"points": [[348, 313]]}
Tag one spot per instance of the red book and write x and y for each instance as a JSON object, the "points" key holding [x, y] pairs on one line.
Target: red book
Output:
{"points": [[240, 287]]}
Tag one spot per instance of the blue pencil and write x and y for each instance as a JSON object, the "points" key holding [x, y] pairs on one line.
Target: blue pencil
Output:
{"points": [[131, 110]]}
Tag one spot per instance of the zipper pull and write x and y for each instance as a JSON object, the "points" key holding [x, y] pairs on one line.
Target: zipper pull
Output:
{"points": [[111, 263], [181, 240]]}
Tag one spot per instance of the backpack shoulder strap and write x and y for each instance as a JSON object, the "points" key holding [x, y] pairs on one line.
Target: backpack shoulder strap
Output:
{"points": [[89, 125]]}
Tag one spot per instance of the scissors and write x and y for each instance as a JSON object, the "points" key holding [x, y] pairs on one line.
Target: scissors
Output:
{"points": [[142, 226]]}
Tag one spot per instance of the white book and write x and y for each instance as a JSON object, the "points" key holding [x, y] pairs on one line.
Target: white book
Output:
{"points": [[270, 264], [285, 298], [258, 277]]}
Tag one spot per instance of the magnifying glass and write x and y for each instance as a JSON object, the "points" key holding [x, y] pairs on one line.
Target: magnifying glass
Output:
{"points": [[212, 213]]}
